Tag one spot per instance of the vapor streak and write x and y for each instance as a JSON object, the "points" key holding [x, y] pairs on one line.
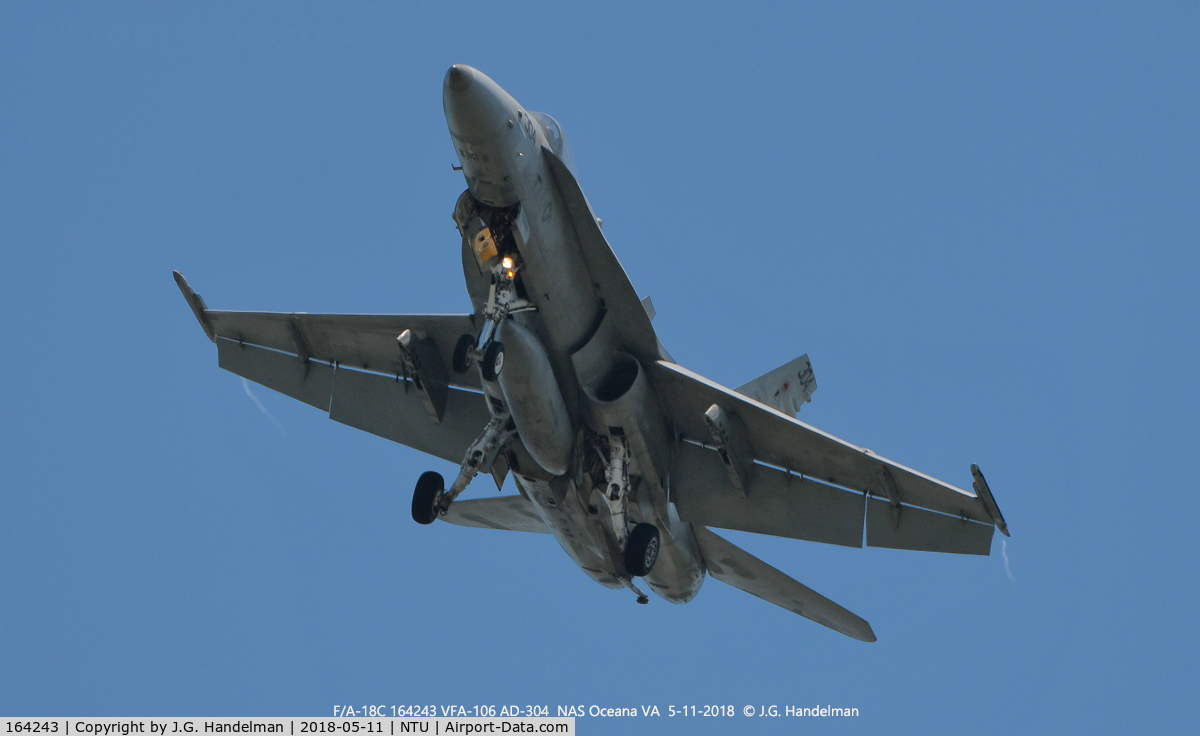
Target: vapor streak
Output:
{"points": [[267, 414], [1004, 551]]}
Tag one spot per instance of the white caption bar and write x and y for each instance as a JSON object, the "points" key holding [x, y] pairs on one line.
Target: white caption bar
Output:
{"points": [[286, 726]]}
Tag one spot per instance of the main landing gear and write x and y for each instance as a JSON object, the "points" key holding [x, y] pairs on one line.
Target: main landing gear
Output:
{"points": [[430, 498], [425, 499], [642, 542], [493, 360], [641, 550]]}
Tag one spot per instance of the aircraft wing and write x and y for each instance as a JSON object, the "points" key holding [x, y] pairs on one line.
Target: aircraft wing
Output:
{"points": [[510, 513], [819, 488], [366, 341], [744, 571], [348, 366]]}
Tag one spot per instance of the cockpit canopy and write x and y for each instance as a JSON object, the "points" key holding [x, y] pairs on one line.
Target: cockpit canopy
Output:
{"points": [[557, 138]]}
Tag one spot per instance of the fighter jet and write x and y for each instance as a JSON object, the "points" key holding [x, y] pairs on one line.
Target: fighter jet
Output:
{"points": [[557, 378]]}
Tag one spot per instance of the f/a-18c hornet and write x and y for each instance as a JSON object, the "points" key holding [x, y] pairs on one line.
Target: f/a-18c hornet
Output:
{"points": [[558, 378]]}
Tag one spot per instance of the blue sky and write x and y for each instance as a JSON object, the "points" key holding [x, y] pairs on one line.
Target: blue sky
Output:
{"points": [[980, 223]]}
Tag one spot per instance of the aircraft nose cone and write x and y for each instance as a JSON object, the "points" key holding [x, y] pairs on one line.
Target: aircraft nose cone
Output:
{"points": [[459, 78], [476, 108]]}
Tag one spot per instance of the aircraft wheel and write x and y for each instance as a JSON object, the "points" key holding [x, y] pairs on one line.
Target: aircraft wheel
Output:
{"points": [[641, 550], [429, 489], [462, 358], [493, 360]]}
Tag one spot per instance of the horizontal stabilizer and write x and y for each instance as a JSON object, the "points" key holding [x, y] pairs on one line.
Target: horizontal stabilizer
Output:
{"points": [[786, 388], [744, 571], [511, 513]]}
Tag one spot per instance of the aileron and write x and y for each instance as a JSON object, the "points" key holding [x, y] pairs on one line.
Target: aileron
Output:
{"points": [[909, 527]]}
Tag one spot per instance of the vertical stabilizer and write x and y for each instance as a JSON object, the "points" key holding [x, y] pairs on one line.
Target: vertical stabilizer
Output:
{"points": [[786, 388]]}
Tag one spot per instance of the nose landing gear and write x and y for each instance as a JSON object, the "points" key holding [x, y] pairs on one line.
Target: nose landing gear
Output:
{"points": [[493, 360], [463, 354], [491, 363], [503, 300]]}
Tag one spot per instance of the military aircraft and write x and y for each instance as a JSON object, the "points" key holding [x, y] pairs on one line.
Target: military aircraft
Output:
{"points": [[558, 378]]}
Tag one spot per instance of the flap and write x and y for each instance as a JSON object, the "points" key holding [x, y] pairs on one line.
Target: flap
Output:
{"points": [[775, 503], [393, 409], [309, 382], [511, 513], [744, 571], [381, 405]]}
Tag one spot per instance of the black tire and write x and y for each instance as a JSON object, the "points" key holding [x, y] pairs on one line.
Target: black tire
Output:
{"points": [[462, 360], [641, 550], [429, 486], [493, 360]]}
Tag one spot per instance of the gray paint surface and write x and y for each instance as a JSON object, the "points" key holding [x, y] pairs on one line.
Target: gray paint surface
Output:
{"points": [[509, 513], [310, 382], [744, 571], [776, 503], [393, 410], [784, 442], [366, 341], [912, 528]]}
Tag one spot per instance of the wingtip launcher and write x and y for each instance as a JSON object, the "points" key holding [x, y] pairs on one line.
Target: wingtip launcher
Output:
{"points": [[989, 502], [197, 304]]}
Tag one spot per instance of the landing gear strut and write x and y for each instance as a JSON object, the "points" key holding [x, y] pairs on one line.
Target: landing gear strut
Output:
{"points": [[642, 598], [430, 499], [642, 544], [503, 300], [616, 489]]}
